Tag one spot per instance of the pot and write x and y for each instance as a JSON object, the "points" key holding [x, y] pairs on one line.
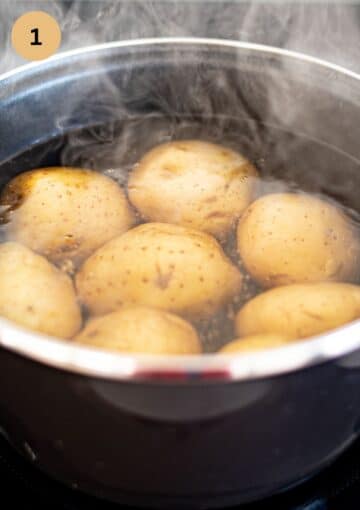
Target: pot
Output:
{"points": [[199, 431]]}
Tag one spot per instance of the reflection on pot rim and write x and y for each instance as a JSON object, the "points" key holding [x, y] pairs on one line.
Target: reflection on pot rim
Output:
{"points": [[261, 48], [179, 369]]}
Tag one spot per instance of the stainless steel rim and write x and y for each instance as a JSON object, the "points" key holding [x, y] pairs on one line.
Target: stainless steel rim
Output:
{"points": [[208, 367]]}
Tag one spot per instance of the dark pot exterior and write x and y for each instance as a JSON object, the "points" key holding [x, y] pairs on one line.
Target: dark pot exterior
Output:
{"points": [[224, 444]]}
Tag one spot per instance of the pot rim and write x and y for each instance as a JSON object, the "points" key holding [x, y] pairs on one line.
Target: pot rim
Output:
{"points": [[94, 362]]}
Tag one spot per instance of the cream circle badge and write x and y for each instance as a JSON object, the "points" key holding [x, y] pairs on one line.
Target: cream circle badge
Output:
{"points": [[36, 35]]}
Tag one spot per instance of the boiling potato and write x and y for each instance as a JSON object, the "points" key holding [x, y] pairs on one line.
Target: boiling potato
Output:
{"points": [[36, 294], [192, 183], [300, 310], [165, 266], [255, 343], [139, 329], [291, 238], [65, 213]]}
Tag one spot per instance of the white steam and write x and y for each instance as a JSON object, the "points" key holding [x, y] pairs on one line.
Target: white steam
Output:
{"points": [[325, 29]]}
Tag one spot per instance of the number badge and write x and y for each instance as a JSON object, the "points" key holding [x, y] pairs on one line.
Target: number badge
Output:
{"points": [[36, 35]]}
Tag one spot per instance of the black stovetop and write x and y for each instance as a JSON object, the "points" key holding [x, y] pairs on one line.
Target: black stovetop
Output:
{"points": [[24, 486]]}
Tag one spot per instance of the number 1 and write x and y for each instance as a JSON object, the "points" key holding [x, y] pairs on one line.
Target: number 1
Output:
{"points": [[36, 41]]}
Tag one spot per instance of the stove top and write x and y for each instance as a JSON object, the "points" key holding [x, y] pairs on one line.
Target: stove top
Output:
{"points": [[23, 486]]}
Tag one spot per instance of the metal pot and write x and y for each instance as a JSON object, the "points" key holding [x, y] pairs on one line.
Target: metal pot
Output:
{"points": [[201, 431]]}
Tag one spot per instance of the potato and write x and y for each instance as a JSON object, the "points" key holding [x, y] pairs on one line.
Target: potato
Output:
{"points": [[300, 310], [165, 266], [192, 183], [140, 329], [255, 343], [36, 294], [294, 238], [65, 213]]}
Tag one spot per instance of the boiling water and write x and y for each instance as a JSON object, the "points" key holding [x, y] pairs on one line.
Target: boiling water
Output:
{"points": [[286, 161]]}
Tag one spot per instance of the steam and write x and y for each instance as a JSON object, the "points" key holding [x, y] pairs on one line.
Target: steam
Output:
{"points": [[328, 29]]}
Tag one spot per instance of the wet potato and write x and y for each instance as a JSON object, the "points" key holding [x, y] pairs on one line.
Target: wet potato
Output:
{"points": [[36, 294], [288, 238], [255, 343], [140, 329], [65, 213], [194, 184], [174, 268], [299, 310]]}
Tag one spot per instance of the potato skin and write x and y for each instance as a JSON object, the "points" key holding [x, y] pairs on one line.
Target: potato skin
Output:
{"points": [[255, 343], [140, 329], [194, 184], [300, 310], [288, 238], [36, 294], [65, 213], [165, 266]]}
